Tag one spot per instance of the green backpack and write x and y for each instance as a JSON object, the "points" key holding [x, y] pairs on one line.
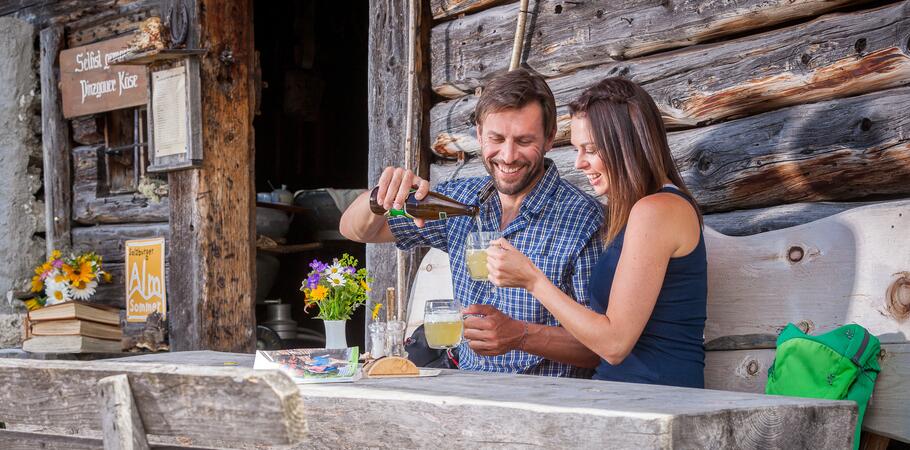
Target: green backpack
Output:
{"points": [[841, 364]]}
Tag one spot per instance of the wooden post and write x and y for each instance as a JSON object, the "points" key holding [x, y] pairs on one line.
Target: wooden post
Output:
{"points": [[212, 303], [387, 79], [55, 141], [120, 421]]}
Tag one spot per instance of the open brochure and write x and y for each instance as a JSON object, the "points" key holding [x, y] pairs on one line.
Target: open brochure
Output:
{"points": [[312, 365]]}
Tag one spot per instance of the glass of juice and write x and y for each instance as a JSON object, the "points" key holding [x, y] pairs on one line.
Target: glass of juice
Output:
{"points": [[442, 323], [475, 253]]}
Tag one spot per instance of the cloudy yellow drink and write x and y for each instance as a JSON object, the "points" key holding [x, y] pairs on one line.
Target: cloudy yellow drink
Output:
{"points": [[443, 330], [477, 264]]}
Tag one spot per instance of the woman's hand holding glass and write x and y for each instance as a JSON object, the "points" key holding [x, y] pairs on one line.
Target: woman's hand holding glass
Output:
{"points": [[508, 267]]}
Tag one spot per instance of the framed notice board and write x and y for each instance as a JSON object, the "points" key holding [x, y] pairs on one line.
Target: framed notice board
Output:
{"points": [[174, 117]]}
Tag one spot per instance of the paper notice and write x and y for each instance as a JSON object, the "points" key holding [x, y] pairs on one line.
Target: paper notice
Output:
{"points": [[169, 112]]}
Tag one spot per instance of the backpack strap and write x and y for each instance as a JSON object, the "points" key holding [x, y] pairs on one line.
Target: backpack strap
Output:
{"points": [[858, 344]]}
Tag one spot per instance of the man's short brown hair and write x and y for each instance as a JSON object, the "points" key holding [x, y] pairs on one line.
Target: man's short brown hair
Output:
{"points": [[514, 90]]}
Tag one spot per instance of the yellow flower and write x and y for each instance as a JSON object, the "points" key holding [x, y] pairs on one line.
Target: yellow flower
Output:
{"points": [[46, 267], [366, 287], [319, 292], [55, 254], [107, 277], [32, 304], [80, 274], [376, 309], [60, 278], [37, 284]]}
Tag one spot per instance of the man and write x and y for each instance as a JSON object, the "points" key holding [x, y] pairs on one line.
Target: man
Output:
{"points": [[544, 217]]}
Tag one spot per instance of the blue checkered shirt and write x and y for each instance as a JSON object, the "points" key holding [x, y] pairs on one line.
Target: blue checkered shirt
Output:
{"points": [[557, 228]]}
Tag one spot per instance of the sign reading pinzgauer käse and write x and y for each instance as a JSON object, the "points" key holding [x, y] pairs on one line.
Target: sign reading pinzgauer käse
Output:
{"points": [[89, 84]]}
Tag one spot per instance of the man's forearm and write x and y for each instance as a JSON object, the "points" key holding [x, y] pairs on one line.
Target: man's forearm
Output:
{"points": [[359, 223], [557, 344]]}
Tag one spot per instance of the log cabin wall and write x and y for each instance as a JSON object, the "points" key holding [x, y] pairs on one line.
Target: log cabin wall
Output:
{"points": [[772, 107], [98, 219]]}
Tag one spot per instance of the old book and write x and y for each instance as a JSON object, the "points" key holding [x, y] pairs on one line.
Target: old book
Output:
{"points": [[76, 310], [70, 344], [76, 326]]}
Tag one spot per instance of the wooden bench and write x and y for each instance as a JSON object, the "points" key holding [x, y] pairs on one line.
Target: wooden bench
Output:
{"points": [[852, 267], [453, 410], [115, 405]]}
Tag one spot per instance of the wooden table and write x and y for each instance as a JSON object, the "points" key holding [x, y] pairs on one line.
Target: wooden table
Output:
{"points": [[463, 409]]}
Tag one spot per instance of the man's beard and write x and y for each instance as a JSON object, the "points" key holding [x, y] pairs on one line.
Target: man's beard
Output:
{"points": [[531, 175]]}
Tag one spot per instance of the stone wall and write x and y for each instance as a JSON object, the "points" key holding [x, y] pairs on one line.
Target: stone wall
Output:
{"points": [[21, 213]]}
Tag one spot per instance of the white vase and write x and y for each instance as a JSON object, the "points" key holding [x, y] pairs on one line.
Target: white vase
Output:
{"points": [[334, 334]]}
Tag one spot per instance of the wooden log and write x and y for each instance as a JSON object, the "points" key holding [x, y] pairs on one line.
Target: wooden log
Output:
{"points": [[747, 371], [88, 130], [754, 221], [117, 20], [443, 9], [839, 150], [44, 13], [387, 111], [120, 421], [862, 52], [107, 240], [90, 208], [567, 35], [58, 189], [204, 405], [212, 221], [853, 267]]}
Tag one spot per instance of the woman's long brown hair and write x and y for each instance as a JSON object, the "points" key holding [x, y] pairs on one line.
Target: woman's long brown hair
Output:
{"points": [[631, 141]]}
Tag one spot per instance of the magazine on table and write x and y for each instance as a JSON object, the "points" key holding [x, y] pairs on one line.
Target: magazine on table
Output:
{"points": [[312, 365]]}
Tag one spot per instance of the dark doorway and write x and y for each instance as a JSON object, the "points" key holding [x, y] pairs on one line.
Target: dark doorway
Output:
{"points": [[311, 136]]}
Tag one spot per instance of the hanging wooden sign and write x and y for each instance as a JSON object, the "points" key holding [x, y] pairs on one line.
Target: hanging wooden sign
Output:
{"points": [[90, 84], [144, 274]]}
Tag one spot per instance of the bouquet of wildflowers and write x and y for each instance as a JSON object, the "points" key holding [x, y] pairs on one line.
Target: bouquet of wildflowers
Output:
{"points": [[61, 279], [337, 288]]}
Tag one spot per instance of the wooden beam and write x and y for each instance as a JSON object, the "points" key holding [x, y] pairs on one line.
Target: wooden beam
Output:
{"points": [[212, 227], [753, 221], [853, 267], [58, 186], [202, 405], [387, 81], [107, 240], [120, 18], [445, 9], [90, 208], [863, 52], [838, 150], [747, 371], [120, 421], [566, 36]]}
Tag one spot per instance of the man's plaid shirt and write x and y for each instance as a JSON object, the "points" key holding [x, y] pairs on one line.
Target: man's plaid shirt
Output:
{"points": [[557, 228]]}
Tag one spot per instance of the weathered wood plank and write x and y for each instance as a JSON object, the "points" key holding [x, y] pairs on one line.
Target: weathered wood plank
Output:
{"points": [[120, 421], [565, 36], [853, 267], [831, 151], [204, 404], [387, 115], [20, 440], [754, 221], [90, 208], [58, 189], [212, 209], [107, 240], [838, 55], [119, 19], [747, 371], [61, 12], [88, 130], [442, 9]]}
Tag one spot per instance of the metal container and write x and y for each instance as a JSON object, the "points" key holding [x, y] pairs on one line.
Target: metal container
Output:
{"points": [[278, 319]]}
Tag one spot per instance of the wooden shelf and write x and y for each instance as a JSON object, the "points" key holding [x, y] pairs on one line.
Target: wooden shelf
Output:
{"points": [[291, 248], [282, 206], [153, 56]]}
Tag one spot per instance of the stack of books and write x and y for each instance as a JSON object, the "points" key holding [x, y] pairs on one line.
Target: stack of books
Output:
{"points": [[73, 327]]}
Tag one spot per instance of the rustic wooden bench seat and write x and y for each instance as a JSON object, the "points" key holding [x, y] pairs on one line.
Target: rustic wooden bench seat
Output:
{"points": [[852, 267]]}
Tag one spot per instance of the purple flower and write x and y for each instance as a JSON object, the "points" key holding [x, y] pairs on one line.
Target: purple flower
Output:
{"points": [[350, 270], [313, 281], [58, 263], [317, 266]]}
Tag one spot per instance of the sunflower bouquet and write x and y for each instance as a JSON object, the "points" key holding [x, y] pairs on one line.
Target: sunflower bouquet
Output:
{"points": [[62, 279], [337, 288]]}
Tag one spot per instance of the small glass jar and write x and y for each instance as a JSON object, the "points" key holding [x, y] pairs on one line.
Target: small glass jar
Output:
{"points": [[395, 338], [377, 339]]}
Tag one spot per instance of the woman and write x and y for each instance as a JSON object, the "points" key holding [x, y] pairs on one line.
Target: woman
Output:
{"points": [[648, 290]]}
